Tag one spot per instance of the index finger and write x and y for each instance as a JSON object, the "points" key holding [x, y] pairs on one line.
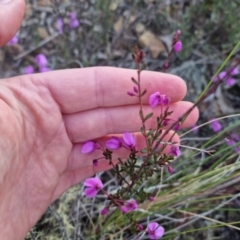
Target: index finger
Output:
{"points": [[88, 88]]}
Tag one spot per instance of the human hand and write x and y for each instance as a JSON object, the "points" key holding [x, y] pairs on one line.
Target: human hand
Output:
{"points": [[46, 117]]}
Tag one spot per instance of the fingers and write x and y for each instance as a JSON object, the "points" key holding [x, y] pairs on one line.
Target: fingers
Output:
{"points": [[11, 15], [80, 160], [81, 165], [83, 89], [100, 122]]}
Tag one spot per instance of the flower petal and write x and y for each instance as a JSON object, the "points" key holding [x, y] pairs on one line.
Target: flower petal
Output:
{"points": [[90, 192]]}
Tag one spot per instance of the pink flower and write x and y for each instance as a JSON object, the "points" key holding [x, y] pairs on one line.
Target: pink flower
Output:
{"points": [[154, 99], [104, 211], [41, 60], [128, 206], [93, 185], [177, 46], [155, 231], [175, 151], [13, 41], [129, 140], [157, 98], [88, 147], [114, 143], [29, 69], [216, 125]]}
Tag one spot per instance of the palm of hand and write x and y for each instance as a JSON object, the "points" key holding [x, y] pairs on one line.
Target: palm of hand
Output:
{"points": [[36, 149]]}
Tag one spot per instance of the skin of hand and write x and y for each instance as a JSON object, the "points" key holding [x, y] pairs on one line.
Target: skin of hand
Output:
{"points": [[45, 118]]}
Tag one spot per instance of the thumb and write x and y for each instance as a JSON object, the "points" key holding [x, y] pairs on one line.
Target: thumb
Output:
{"points": [[11, 15]]}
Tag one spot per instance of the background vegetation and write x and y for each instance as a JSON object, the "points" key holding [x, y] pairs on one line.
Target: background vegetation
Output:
{"points": [[201, 200]]}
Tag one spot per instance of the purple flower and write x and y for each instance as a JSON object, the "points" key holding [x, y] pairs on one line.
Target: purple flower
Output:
{"points": [[41, 60], [104, 211], [169, 168], [155, 231], [74, 23], [152, 199], [140, 227], [88, 147], [175, 151], [230, 81], [216, 125], [128, 206], [157, 98], [154, 99], [114, 143], [13, 41], [29, 69], [177, 46], [44, 69], [60, 24], [73, 16], [93, 185], [129, 140], [177, 126], [234, 71]]}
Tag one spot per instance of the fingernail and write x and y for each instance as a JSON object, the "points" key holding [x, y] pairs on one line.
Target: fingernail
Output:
{"points": [[5, 1]]}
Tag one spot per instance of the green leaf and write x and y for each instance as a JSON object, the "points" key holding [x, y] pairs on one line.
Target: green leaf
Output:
{"points": [[141, 114], [148, 116]]}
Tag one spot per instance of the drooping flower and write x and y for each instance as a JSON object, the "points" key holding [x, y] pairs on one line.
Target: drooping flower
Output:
{"points": [[104, 211], [129, 140], [13, 41], [129, 205], [28, 69], [177, 46], [88, 147], [41, 60], [114, 143], [175, 151], [155, 231], [93, 185], [216, 125]]}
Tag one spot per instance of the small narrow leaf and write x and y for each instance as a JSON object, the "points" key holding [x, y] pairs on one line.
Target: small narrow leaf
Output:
{"points": [[148, 116], [134, 81], [144, 92]]}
